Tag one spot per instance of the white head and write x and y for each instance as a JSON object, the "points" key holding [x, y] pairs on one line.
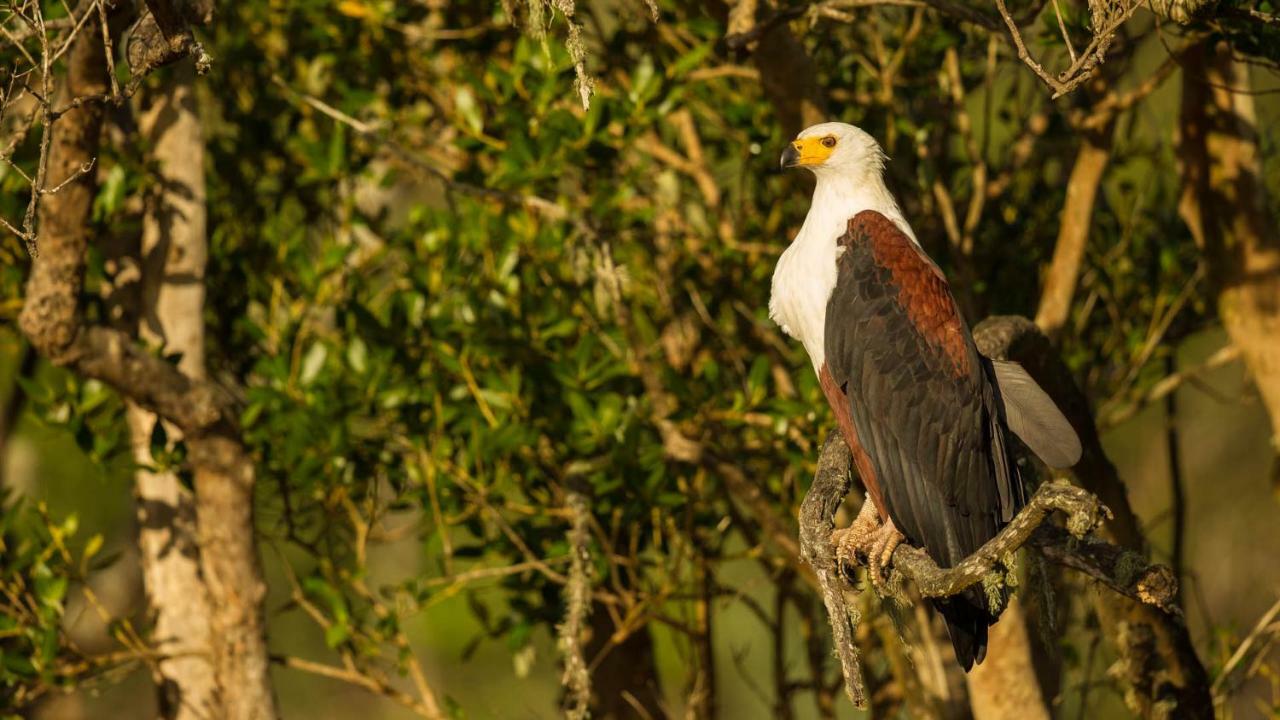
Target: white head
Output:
{"points": [[849, 166], [836, 148]]}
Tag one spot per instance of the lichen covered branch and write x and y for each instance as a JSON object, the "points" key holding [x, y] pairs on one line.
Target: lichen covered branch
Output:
{"points": [[831, 483], [577, 595], [1124, 571], [1140, 615], [1084, 513]]}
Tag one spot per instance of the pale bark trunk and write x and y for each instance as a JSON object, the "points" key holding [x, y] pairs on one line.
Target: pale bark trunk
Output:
{"points": [[1073, 230], [52, 321], [1005, 686], [171, 317], [1224, 205], [224, 477]]}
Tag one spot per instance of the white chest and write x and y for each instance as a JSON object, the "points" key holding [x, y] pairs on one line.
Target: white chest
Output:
{"points": [[802, 284], [806, 273]]}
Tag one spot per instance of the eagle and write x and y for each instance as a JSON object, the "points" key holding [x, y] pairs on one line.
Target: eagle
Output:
{"points": [[928, 420]]}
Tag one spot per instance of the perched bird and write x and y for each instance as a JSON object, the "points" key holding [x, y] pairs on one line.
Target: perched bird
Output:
{"points": [[927, 418]]}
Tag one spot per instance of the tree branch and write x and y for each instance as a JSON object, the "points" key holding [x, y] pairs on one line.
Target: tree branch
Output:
{"points": [[831, 482], [1126, 572], [1084, 512], [577, 600]]}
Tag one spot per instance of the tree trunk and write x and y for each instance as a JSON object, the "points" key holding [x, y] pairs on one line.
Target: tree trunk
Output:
{"points": [[625, 682], [224, 476], [50, 316], [789, 80], [1073, 229], [171, 317], [1224, 205], [787, 74], [1005, 686], [52, 321]]}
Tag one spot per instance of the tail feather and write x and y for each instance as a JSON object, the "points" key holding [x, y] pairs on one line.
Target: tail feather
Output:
{"points": [[967, 622]]}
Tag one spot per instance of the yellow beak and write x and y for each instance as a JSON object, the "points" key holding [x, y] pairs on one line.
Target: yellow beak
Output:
{"points": [[805, 152]]}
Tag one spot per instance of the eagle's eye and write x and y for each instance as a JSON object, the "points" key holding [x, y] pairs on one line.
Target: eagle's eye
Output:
{"points": [[829, 141]]}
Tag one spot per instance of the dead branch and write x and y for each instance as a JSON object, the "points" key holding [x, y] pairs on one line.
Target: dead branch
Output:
{"points": [[831, 483], [163, 36], [577, 595], [1106, 22], [1123, 571], [1083, 511], [1126, 572]]}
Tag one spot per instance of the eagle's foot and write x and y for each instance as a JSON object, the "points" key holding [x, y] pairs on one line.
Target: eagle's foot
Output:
{"points": [[883, 542], [868, 542]]}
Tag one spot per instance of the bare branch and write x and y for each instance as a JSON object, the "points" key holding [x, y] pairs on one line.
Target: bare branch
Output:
{"points": [[1124, 571], [831, 483], [1084, 513]]}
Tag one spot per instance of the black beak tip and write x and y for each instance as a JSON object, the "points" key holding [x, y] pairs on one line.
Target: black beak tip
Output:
{"points": [[790, 157]]}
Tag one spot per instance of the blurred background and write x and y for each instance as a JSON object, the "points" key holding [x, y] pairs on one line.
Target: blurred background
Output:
{"points": [[476, 274]]}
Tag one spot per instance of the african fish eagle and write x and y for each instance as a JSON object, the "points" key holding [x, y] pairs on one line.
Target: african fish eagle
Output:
{"points": [[925, 416]]}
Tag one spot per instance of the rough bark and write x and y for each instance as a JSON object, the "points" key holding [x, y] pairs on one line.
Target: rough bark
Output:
{"points": [[224, 477], [1073, 229], [831, 482], [50, 316], [171, 311], [1224, 205], [52, 321]]}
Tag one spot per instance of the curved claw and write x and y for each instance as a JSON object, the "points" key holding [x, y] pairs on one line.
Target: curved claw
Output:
{"points": [[870, 539], [883, 542]]}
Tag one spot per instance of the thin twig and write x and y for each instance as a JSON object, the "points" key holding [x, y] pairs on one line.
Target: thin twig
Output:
{"points": [[108, 48], [1066, 37], [1225, 355]]}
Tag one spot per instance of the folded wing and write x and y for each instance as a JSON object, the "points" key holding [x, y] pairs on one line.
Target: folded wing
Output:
{"points": [[1032, 415]]}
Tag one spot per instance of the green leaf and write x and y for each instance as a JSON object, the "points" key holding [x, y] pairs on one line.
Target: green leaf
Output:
{"points": [[358, 356], [313, 363]]}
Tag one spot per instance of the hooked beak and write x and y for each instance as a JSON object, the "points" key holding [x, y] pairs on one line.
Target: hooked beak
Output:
{"points": [[790, 157], [808, 152]]}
